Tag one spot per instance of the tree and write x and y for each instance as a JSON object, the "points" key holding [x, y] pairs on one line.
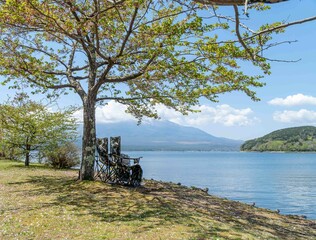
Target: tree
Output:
{"points": [[29, 126], [138, 52], [2, 146]]}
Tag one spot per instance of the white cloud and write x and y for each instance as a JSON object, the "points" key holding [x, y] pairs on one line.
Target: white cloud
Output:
{"points": [[222, 114], [301, 116], [112, 112], [78, 115], [294, 100]]}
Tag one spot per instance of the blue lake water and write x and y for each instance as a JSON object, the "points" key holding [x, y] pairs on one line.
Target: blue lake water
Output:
{"points": [[284, 181]]}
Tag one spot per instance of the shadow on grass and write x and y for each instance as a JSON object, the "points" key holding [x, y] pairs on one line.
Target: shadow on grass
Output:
{"points": [[162, 205], [110, 203], [242, 218]]}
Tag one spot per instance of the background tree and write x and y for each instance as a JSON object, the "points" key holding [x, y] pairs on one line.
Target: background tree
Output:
{"points": [[29, 126], [138, 52]]}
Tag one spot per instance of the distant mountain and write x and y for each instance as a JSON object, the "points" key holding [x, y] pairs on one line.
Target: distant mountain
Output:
{"points": [[288, 139], [165, 136]]}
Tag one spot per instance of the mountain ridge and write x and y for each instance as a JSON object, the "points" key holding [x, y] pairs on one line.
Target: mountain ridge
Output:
{"points": [[164, 136]]}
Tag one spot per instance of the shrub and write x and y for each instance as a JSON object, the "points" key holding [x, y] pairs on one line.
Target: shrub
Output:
{"points": [[65, 156]]}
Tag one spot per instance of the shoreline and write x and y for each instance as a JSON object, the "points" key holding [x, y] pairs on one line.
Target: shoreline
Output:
{"points": [[248, 196], [206, 190]]}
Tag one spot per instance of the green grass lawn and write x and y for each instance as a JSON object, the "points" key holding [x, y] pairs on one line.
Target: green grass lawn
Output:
{"points": [[41, 203]]}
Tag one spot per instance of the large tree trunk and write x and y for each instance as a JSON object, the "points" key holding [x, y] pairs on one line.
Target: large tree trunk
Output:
{"points": [[27, 155], [236, 2], [88, 141]]}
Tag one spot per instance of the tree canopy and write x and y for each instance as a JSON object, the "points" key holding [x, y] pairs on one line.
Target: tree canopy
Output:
{"points": [[138, 52], [160, 51]]}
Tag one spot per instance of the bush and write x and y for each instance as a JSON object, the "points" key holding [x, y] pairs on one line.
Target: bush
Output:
{"points": [[65, 156]]}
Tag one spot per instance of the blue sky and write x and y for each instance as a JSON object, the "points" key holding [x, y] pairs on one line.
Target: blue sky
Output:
{"points": [[287, 100], [240, 118]]}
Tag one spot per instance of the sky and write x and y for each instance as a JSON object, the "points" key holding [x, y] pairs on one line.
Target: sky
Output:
{"points": [[287, 100]]}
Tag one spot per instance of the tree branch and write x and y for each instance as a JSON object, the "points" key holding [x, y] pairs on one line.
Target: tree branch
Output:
{"points": [[236, 2], [122, 99], [239, 36], [41, 50], [281, 26], [53, 20], [76, 85], [39, 82], [132, 76], [129, 32]]}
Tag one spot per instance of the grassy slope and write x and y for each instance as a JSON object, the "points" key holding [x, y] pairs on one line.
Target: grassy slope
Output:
{"points": [[288, 139], [41, 203]]}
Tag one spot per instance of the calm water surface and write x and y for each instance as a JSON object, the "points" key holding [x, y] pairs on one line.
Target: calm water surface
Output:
{"points": [[284, 181]]}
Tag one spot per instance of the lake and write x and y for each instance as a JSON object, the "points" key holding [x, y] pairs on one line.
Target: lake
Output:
{"points": [[284, 181]]}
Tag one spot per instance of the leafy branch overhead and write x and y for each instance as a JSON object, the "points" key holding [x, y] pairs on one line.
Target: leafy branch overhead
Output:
{"points": [[157, 51], [161, 52]]}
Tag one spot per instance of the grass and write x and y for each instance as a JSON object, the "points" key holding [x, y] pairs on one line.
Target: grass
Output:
{"points": [[41, 203]]}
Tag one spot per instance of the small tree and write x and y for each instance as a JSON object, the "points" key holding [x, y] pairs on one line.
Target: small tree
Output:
{"points": [[29, 126]]}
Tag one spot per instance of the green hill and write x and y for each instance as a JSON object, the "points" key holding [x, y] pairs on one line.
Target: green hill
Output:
{"points": [[288, 139]]}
